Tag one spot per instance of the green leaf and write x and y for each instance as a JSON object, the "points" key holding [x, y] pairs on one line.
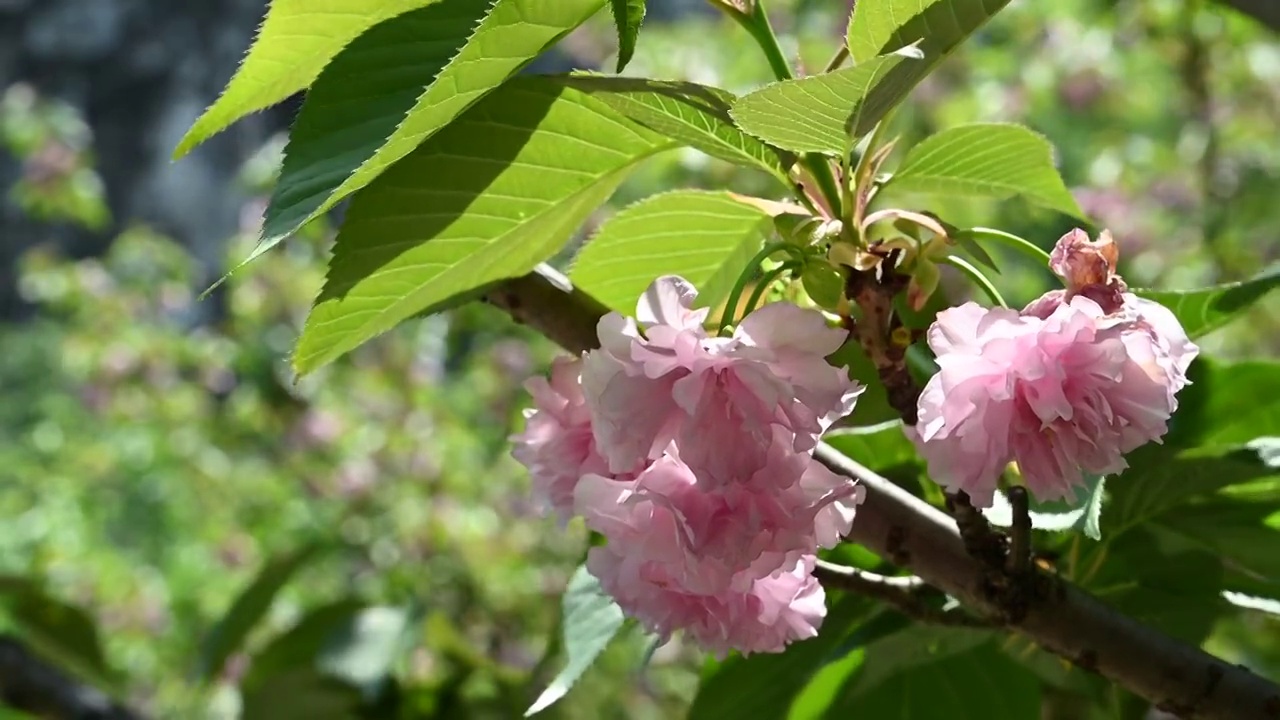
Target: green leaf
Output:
{"points": [[301, 694], [765, 685], [819, 115], [1158, 481], [1083, 514], [1242, 532], [627, 16], [498, 191], [692, 114], [591, 619], [1204, 310], [1173, 589], [371, 107], [873, 404], [61, 632], [696, 234], [929, 672], [301, 644], [988, 160], [879, 26], [1222, 407], [879, 447], [822, 113], [296, 40], [228, 635], [363, 651]]}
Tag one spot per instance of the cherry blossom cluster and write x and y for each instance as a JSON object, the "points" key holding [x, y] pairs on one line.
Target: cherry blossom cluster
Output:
{"points": [[692, 455], [1065, 387]]}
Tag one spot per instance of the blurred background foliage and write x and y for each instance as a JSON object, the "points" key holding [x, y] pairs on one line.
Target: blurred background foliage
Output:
{"points": [[154, 461]]}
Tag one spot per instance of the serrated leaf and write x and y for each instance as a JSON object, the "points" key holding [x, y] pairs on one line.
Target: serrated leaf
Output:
{"points": [[1204, 310], [296, 40], [937, 29], [960, 667], [591, 619], [627, 17], [692, 114], [335, 152], [498, 191], [699, 235], [994, 160], [248, 609], [764, 685], [878, 26], [821, 113], [1084, 514]]}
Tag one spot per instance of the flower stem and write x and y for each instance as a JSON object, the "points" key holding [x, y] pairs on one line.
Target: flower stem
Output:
{"points": [[977, 277], [757, 24], [735, 295], [1020, 244], [763, 286]]}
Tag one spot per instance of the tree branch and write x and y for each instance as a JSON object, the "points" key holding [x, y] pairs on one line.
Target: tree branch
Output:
{"points": [[895, 524], [30, 684]]}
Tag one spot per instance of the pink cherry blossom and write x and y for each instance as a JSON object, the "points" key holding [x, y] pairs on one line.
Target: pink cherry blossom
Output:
{"points": [[557, 445], [1080, 377], [1062, 395], [667, 380], [785, 606]]}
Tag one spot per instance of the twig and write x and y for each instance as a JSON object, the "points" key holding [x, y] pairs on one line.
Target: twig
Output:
{"points": [[907, 595], [1019, 560], [891, 522]]}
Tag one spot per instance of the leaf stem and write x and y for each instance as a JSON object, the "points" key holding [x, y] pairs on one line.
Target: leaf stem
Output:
{"points": [[977, 277], [757, 24], [1022, 245], [763, 286], [735, 296]]}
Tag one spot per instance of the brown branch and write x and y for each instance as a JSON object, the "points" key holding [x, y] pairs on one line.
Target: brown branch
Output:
{"points": [[31, 684], [896, 525]]}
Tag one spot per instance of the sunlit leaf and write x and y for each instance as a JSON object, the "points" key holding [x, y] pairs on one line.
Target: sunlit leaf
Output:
{"points": [[989, 160], [297, 39], [823, 113], [498, 191], [698, 235], [1204, 310], [591, 619], [399, 84], [694, 115]]}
